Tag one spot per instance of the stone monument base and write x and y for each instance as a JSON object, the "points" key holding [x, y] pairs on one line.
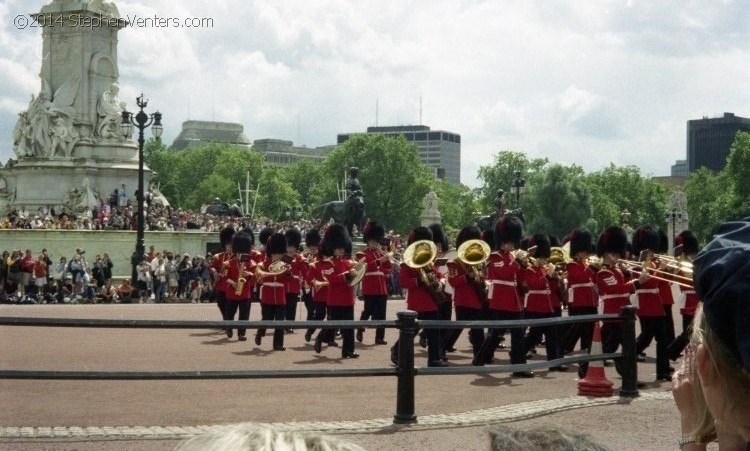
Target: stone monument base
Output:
{"points": [[68, 182]]}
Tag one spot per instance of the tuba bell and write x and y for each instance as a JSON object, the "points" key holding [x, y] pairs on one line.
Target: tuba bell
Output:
{"points": [[471, 255], [420, 255]]}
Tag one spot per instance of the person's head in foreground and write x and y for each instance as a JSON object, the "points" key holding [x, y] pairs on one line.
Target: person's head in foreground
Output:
{"points": [[503, 438], [259, 438], [717, 365]]}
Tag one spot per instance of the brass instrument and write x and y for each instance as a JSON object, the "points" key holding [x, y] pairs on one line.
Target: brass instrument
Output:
{"points": [[675, 264], [420, 255], [225, 267], [595, 262], [360, 267], [276, 268], [559, 257], [524, 259], [471, 255], [658, 274], [240, 285]]}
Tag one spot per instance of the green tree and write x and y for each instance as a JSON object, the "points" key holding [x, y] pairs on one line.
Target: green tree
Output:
{"points": [[276, 196], [737, 173], [393, 178], [456, 204], [501, 174], [709, 201], [309, 180], [558, 201]]}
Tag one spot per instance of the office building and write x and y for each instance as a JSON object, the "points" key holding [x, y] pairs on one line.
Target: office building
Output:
{"points": [[278, 152], [679, 169], [200, 133], [709, 140], [438, 149]]}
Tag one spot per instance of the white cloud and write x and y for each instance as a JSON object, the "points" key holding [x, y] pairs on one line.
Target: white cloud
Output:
{"points": [[576, 82]]}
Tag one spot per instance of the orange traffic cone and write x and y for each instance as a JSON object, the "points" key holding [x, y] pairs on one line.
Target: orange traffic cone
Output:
{"points": [[595, 383]]}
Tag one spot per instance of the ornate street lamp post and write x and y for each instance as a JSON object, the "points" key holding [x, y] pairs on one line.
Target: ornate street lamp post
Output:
{"points": [[674, 216], [141, 121], [519, 186]]}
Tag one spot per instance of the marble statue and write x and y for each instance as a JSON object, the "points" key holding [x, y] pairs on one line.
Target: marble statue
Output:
{"points": [[110, 110], [64, 137], [430, 212]]}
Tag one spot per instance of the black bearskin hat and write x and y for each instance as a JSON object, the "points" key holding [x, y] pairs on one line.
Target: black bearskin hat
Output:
{"points": [[372, 231], [276, 244], [418, 234], [524, 244], [580, 241], [542, 245], [508, 230], [488, 236], [312, 238], [612, 240], [293, 238], [663, 242], [264, 235], [644, 238], [225, 235], [241, 243], [554, 241], [689, 242], [466, 234], [249, 230], [438, 236], [336, 237]]}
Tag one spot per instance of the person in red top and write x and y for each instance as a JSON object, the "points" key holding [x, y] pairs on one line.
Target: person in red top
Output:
{"points": [[538, 299], [582, 297], [240, 281], [687, 241], [373, 286], [469, 290], [650, 308], [263, 236], [340, 301], [614, 288], [298, 268], [665, 289], [503, 272], [40, 274], [219, 269], [272, 292], [419, 299]]}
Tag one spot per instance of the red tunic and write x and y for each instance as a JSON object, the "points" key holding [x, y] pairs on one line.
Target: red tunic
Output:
{"points": [[581, 285], [340, 294], [649, 301], [272, 290], [319, 270], [691, 301], [297, 275], [614, 290], [554, 287], [502, 275], [247, 269], [464, 293], [220, 264], [377, 272], [538, 297], [665, 292], [417, 295]]}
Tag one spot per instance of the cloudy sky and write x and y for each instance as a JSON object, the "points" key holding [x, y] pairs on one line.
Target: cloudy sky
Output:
{"points": [[584, 82]]}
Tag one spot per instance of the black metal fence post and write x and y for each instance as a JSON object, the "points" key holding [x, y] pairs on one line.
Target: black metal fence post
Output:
{"points": [[629, 363], [405, 372]]}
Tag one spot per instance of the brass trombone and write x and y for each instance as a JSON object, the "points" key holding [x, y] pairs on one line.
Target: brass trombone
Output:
{"points": [[658, 274]]}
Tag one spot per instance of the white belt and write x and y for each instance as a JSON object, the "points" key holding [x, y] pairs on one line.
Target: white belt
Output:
{"points": [[688, 292], [647, 290], [375, 273], [538, 292], [272, 284], [297, 277], [577, 285], [503, 282], [604, 297]]}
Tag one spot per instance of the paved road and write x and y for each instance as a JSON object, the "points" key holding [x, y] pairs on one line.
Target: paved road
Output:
{"points": [[184, 404]]}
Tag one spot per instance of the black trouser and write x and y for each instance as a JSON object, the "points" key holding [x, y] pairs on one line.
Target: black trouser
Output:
{"points": [[476, 335], [319, 314], [551, 336], [448, 337], [582, 331], [375, 308], [669, 323], [655, 328], [231, 308], [271, 312], [433, 338], [290, 312], [307, 298], [337, 313], [492, 339], [221, 302], [678, 344]]}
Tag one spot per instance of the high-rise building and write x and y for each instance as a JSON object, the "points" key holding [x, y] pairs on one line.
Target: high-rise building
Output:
{"points": [[438, 149], [679, 169], [709, 140]]}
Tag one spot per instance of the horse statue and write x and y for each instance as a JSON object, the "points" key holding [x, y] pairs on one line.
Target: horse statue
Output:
{"points": [[487, 221], [219, 208], [338, 211]]}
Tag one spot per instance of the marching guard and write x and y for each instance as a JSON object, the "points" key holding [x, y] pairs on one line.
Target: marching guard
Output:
{"points": [[582, 297], [373, 287], [297, 268], [220, 267], [240, 282], [274, 274], [687, 241]]}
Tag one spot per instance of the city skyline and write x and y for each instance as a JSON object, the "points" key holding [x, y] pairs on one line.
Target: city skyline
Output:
{"points": [[584, 84]]}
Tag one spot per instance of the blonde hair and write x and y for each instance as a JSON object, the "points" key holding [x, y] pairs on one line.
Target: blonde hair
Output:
{"points": [[734, 379], [251, 437]]}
